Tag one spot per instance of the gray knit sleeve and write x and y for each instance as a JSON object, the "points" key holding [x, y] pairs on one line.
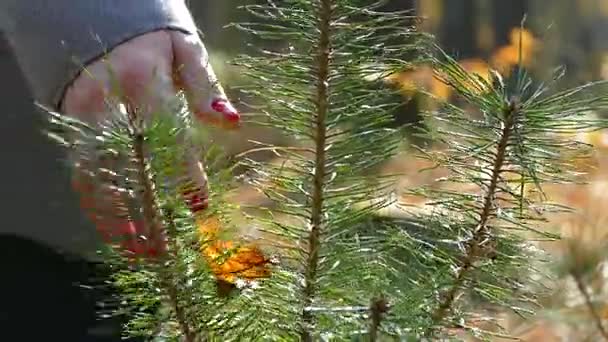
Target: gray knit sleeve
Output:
{"points": [[53, 39]]}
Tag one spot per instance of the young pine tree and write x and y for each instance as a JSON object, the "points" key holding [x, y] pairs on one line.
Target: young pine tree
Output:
{"points": [[320, 264]]}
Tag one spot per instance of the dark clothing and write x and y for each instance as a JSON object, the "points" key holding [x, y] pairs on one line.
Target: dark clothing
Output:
{"points": [[46, 243], [41, 292], [37, 200], [50, 40], [47, 296], [53, 40]]}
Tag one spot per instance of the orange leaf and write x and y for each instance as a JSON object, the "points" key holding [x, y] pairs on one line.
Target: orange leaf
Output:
{"points": [[230, 261], [505, 58]]}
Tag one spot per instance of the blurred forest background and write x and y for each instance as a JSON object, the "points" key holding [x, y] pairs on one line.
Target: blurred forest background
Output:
{"points": [[480, 34]]}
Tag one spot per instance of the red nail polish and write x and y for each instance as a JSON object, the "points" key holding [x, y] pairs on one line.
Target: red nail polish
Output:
{"points": [[232, 117], [152, 252], [226, 108], [218, 105], [196, 200]]}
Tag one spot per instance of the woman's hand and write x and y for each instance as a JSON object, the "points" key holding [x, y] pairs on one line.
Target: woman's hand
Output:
{"points": [[149, 70]]}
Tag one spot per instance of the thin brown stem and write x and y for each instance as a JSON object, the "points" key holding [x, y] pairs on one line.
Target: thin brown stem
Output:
{"points": [[588, 302], [320, 116], [377, 310], [153, 224], [188, 333], [481, 234]]}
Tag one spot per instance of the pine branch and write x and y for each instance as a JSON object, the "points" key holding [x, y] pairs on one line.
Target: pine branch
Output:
{"points": [[183, 321], [338, 54], [145, 149], [318, 190], [597, 320], [168, 280], [152, 221], [153, 229], [378, 310], [477, 246], [507, 152]]}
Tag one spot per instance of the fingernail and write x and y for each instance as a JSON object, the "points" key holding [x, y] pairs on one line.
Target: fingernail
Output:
{"points": [[196, 201], [226, 108], [233, 117], [152, 252]]}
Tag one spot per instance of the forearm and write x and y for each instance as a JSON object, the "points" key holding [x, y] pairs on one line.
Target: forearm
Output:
{"points": [[53, 40]]}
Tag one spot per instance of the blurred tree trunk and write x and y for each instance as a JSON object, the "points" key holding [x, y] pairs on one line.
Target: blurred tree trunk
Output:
{"points": [[456, 33], [597, 19], [474, 28], [506, 16], [562, 28], [212, 16], [400, 5]]}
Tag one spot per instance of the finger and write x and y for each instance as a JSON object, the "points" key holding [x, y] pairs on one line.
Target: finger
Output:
{"points": [[87, 100], [86, 97], [141, 78], [147, 83], [105, 203], [195, 75], [138, 72], [194, 185], [149, 90]]}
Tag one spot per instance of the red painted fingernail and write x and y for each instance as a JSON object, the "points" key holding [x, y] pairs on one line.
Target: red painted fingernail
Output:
{"points": [[226, 108], [233, 117], [196, 201], [218, 105], [152, 252]]}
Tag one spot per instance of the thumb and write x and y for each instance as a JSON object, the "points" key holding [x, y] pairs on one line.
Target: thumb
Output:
{"points": [[195, 75]]}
